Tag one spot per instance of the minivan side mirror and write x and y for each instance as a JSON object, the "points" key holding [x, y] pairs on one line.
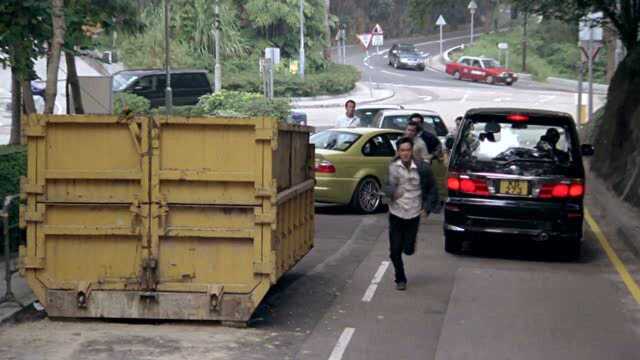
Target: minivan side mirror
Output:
{"points": [[587, 149]]}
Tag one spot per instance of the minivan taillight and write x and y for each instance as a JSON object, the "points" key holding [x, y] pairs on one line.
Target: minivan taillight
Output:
{"points": [[562, 190], [467, 185], [325, 167]]}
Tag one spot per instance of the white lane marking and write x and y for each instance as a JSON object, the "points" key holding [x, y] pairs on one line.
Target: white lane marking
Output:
{"points": [[341, 345], [426, 97], [371, 290], [546, 98], [391, 73], [465, 97]]}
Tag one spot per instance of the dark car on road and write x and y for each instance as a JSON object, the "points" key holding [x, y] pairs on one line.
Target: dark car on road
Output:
{"points": [[187, 85], [517, 174], [406, 56]]}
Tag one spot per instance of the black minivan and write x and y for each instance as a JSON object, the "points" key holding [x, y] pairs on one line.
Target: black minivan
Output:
{"points": [[187, 85], [516, 173]]}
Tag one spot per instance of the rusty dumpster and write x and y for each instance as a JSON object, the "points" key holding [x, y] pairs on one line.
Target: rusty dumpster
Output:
{"points": [[163, 218]]}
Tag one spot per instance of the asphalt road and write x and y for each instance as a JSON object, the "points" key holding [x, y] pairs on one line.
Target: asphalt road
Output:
{"points": [[496, 301]]}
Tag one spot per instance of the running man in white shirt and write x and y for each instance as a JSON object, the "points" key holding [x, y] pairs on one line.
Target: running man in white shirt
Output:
{"points": [[349, 119]]}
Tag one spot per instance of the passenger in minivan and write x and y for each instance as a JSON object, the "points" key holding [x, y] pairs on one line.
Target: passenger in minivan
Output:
{"points": [[549, 142]]}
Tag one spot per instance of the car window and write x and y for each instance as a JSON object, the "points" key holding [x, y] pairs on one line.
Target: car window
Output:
{"points": [[144, 84], [366, 116], [490, 63], [378, 146], [465, 62], [399, 122], [393, 138], [189, 81], [476, 63], [516, 143], [334, 140], [121, 81]]}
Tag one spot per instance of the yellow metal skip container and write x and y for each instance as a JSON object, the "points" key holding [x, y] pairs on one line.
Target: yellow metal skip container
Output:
{"points": [[163, 218]]}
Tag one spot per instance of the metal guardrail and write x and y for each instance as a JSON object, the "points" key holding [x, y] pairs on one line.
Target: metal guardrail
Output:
{"points": [[9, 296]]}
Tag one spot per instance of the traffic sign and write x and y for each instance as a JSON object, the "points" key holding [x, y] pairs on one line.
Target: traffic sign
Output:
{"points": [[377, 40], [440, 21], [365, 39], [503, 46], [591, 27], [377, 30]]}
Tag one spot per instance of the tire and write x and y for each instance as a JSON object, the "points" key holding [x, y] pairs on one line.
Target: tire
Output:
{"points": [[365, 198], [452, 243], [395, 64], [509, 83], [456, 75], [421, 68], [490, 80]]}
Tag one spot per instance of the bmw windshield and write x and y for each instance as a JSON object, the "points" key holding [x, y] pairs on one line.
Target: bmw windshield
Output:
{"points": [[334, 140]]}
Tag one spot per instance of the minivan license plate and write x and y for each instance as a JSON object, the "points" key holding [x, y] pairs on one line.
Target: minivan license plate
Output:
{"points": [[514, 187]]}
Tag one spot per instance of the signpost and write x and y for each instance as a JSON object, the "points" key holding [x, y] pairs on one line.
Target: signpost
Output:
{"points": [[365, 40], [590, 44], [441, 23], [504, 48], [472, 9], [377, 38]]}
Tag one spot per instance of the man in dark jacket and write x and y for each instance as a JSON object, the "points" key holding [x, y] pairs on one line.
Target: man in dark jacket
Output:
{"points": [[410, 190], [428, 135]]}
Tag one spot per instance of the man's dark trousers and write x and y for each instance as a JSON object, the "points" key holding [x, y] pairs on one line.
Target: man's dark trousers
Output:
{"points": [[402, 238]]}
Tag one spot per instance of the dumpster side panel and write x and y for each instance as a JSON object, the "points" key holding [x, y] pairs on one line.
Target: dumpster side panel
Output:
{"points": [[168, 218]]}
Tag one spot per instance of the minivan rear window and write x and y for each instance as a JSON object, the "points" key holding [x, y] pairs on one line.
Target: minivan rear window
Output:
{"points": [[515, 143], [399, 122]]}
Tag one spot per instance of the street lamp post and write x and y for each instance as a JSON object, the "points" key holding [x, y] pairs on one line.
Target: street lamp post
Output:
{"points": [[472, 9], [168, 95], [302, 39]]}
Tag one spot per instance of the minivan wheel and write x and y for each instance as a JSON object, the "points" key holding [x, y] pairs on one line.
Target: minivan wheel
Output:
{"points": [[490, 80], [366, 198], [452, 243], [456, 75]]}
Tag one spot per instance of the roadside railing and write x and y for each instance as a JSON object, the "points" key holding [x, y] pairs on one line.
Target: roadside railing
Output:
{"points": [[8, 241]]}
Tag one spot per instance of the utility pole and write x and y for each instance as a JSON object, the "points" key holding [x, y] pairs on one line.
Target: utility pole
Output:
{"points": [[590, 66], [525, 41], [302, 39], [217, 69], [168, 95]]}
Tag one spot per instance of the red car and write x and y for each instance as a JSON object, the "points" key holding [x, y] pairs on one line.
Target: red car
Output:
{"points": [[481, 69]]}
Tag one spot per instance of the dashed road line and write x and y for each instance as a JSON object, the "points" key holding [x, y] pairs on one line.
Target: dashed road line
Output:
{"points": [[341, 345], [371, 290]]}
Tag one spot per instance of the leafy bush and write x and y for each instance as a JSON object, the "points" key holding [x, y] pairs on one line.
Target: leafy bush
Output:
{"points": [[131, 102], [236, 103], [337, 79], [187, 110]]}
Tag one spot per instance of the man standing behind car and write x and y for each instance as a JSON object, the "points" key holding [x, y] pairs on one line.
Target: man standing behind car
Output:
{"points": [[349, 119], [410, 190], [428, 134]]}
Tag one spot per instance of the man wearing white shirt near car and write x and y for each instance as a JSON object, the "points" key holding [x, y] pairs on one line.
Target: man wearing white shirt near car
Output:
{"points": [[349, 119]]}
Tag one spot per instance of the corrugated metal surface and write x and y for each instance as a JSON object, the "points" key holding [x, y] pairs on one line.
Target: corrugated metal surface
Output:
{"points": [[152, 218]]}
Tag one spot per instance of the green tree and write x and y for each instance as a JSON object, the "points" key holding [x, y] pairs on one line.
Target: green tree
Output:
{"points": [[618, 135], [24, 29]]}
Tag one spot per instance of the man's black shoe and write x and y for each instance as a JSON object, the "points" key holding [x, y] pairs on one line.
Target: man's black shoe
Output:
{"points": [[402, 286]]}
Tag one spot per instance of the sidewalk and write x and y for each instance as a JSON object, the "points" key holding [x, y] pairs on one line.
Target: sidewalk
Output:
{"points": [[364, 93], [20, 289], [617, 217]]}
